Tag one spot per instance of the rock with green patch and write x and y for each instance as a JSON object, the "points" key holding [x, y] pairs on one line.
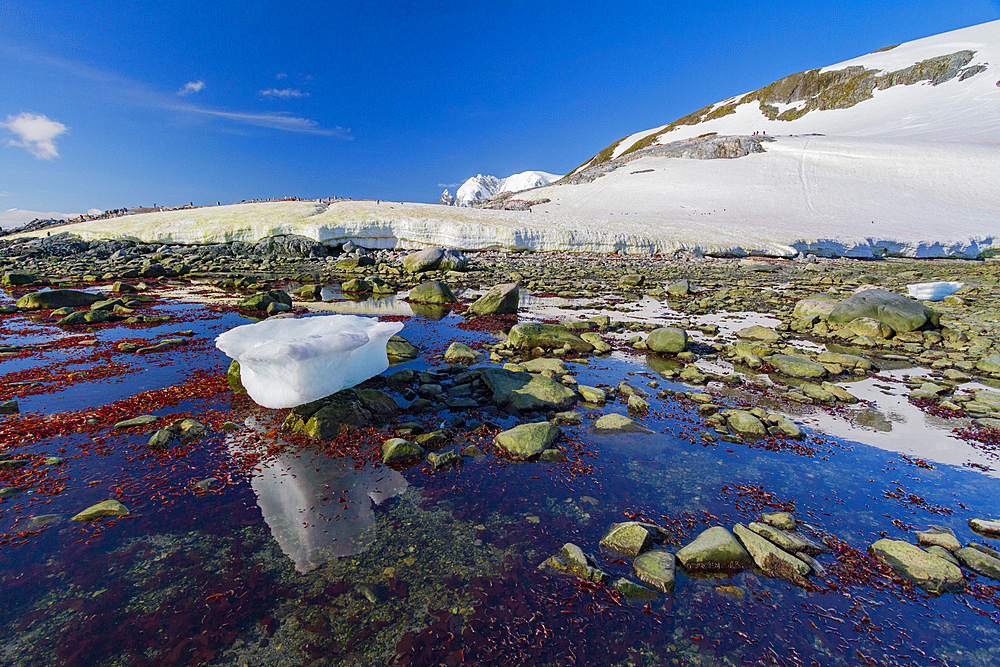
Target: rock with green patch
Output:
{"points": [[616, 423], [498, 300], [746, 424], [9, 408], [462, 353], [820, 305], [940, 536], [58, 298], [601, 346], [979, 562], [657, 569], [771, 560], [759, 334], [630, 590], [527, 441], [782, 520], [789, 541], [573, 562], [399, 450], [839, 393], [140, 421], [523, 391], [629, 537], [443, 460], [529, 335], [12, 279], [398, 349], [714, 550], [102, 510], [344, 411], [162, 438], [592, 394], [356, 286], [667, 340], [427, 259], [989, 365], [234, 379], [870, 327], [433, 292], [901, 313], [934, 575], [796, 367]]}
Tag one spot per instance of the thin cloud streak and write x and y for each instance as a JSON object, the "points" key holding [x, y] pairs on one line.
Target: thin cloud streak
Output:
{"points": [[191, 87], [283, 92], [142, 94]]}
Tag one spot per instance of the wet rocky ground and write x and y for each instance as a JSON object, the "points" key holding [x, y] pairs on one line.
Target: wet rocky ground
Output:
{"points": [[573, 459]]}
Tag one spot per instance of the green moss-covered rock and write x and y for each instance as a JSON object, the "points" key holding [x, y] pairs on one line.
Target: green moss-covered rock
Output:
{"points": [[529, 335], [527, 441], [233, 377], [17, 279], [396, 451], [933, 574], [629, 537], [771, 560], [103, 509], [498, 300], [667, 340], [616, 423], [525, 392], [979, 562], [398, 349], [714, 550], [796, 367], [746, 424], [462, 353], [346, 410], [897, 311], [58, 298], [432, 291], [656, 569], [573, 562]]}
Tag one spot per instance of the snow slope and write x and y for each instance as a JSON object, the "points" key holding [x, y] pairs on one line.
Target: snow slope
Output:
{"points": [[480, 188]]}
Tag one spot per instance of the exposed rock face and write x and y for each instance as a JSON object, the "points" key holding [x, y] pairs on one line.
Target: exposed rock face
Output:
{"points": [[895, 310], [630, 538], [933, 574], [773, 561], [446, 199], [796, 367], [572, 561]]}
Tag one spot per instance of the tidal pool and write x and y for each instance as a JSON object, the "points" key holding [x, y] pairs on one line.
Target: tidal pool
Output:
{"points": [[253, 546]]}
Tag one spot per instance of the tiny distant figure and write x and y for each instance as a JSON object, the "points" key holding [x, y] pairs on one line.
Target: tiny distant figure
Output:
{"points": [[378, 201]]}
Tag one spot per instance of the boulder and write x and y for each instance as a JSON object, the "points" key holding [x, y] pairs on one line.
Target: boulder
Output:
{"points": [[985, 527], [522, 391], [399, 450], [573, 562], [498, 300], [453, 260], [527, 440], [629, 537], [462, 353], [935, 575], [979, 562], [939, 536], [592, 394], [432, 291], [714, 550], [343, 411], [18, 279], [427, 259], [529, 335], [233, 377], [657, 569], [102, 510], [746, 424], [869, 326], [796, 367], [771, 560], [399, 349], [789, 541], [759, 334], [899, 312], [632, 591], [679, 288], [667, 340], [820, 305], [58, 298], [616, 423]]}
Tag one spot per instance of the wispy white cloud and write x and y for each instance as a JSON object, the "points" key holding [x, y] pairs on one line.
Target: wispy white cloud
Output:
{"points": [[139, 93], [191, 87], [283, 92], [36, 133], [280, 75], [448, 185]]}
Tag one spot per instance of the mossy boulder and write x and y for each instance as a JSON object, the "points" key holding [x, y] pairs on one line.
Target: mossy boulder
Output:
{"points": [[895, 310], [657, 569], [796, 367], [102, 510], [18, 279], [423, 260], [432, 291], [573, 562], [527, 441], [746, 424], [498, 300], [234, 379], [819, 305], [346, 410], [714, 550], [615, 423], [399, 450], [58, 298], [529, 335], [931, 573], [629, 537], [522, 391], [398, 349], [667, 340], [772, 561]]}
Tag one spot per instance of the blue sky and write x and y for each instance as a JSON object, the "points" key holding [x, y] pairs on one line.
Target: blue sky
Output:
{"points": [[107, 104]]}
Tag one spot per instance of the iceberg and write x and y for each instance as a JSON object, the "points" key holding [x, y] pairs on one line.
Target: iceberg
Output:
{"points": [[933, 291], [286, 362]]}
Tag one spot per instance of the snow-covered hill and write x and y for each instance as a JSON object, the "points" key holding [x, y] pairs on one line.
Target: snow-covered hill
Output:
{"points": [[481, 188]]}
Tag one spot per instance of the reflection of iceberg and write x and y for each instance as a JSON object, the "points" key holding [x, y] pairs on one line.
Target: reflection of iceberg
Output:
{"points": [[318, 507], [389, 305]]}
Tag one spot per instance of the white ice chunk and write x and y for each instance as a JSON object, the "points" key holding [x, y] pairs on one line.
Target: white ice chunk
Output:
{"points": [[933, 291], [286, 362]]}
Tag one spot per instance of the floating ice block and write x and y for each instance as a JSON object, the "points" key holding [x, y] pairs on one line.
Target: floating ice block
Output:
{"points": [[933, 291], [287, 362]]}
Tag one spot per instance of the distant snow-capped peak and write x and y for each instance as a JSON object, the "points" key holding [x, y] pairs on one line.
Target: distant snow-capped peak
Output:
{"points": [[482, 187]]}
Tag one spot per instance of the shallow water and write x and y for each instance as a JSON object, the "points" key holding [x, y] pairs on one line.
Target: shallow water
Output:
{"points": [[318, 554]]}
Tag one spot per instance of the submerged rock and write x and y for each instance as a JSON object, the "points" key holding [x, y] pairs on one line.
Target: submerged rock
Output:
{"points": [[572, 561], [616, 423], [102, 510], [633, 591], [656, 569], [772, 560], [933, 574], [529, 335]]}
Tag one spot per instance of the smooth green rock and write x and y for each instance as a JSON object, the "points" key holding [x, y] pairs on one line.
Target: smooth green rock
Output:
{"points": [[667, 340], [432, 291], [935, 575], [773, 561], [633, 591], [498, 300], [399, 349], [789, 541], [234, 379], [527, 440], [979, 562], [616, 423], [592, 394], [462, 353], [529, 335], [939, 536], [400, 450], [573, 562], [58, 298], [759, 334], [899, 312], [746, 424], [629, 537], [714, 550], [101, 510], [656, 569], [522, 391], [796, 367]]}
